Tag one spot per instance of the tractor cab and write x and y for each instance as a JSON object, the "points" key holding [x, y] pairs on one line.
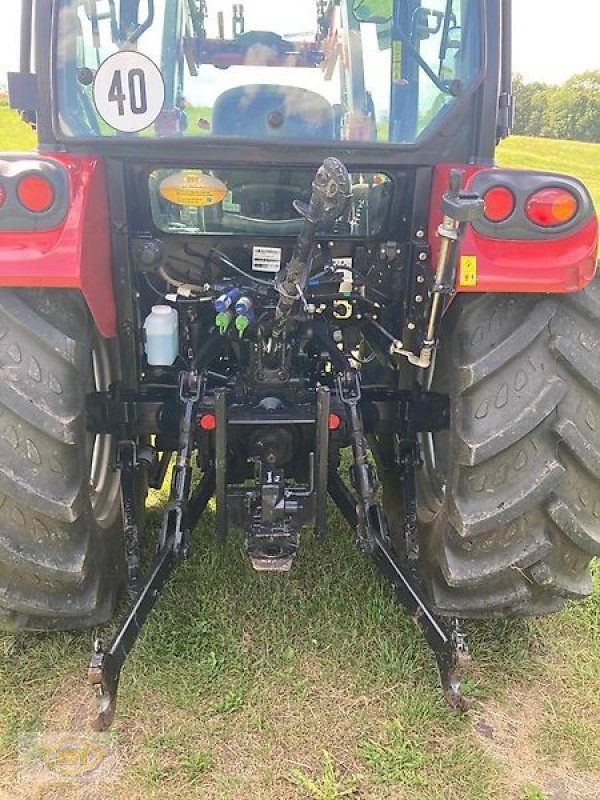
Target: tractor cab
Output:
{"points": [[387, 82], [347, 70]]}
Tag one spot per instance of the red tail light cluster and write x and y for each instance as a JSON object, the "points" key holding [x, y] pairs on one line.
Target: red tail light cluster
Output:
{"points": [[34, 193], [551, 207], [545, 208]]}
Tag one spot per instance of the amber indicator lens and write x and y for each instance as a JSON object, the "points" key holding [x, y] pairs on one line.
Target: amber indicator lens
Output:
{"points": [[36, 194], [499, 204], [549, 208]]}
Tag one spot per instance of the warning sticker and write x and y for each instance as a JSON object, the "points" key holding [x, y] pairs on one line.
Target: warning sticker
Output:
{"points": [[396, 61], [193, 188], [468, 271], [266, 259]]}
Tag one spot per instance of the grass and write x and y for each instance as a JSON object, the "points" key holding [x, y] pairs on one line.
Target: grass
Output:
{"points": [[14, 134], [580, 159], [314, 685]]}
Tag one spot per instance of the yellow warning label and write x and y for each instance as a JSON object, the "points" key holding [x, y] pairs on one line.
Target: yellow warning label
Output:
{"points": [[468, 271], [396, 61], [193, 188]]}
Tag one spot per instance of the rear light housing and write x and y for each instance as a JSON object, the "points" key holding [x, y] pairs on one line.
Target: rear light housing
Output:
{"points": [[499, 204], [551, 207], [523, 205], [35, 193]]}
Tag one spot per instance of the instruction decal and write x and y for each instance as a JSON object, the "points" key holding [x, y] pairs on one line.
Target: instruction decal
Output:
{"points": [[468, 271], [129, 91], [193, 188], [266, 259]]}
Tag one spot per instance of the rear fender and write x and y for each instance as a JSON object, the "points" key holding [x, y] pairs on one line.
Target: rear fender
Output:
{"points": [[516, 255], [67, 246]]}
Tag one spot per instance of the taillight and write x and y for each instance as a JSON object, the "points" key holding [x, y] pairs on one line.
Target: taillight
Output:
{"points": [[549, 208], [35, 193], [499, 204]]}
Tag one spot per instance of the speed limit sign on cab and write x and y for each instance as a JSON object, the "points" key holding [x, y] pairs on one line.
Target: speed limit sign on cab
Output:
{"points": [[129, 91]]}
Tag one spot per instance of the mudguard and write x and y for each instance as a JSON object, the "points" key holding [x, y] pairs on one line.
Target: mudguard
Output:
{"points": [[68, 245], [517, 256]]}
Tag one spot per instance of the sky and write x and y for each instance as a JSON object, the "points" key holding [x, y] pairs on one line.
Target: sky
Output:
{"points": [[551, 39]]}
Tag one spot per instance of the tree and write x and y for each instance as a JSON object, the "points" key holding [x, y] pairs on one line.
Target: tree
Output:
{"points": [[570, 111]]}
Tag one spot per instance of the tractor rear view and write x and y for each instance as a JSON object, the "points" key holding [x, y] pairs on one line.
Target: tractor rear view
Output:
{"points": [[260, 243]]}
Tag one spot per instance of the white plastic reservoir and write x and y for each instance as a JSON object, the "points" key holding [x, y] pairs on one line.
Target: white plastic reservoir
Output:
{"points": [[162, 336]]}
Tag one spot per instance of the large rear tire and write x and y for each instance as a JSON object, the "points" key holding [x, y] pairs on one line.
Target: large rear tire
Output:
{"points": [[61, 548], [510, 513]]}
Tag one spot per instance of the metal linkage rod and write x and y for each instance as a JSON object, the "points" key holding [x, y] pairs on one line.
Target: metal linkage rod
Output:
{"points": [[448, 646], [179, 518]]}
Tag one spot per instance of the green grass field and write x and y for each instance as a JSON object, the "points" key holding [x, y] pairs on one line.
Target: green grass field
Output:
{"points": [[315, 685], [580, 159]]}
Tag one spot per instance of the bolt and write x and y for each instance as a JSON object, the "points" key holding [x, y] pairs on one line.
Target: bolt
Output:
{"points": [[420, 279], [420, 234], [423, 256], [419, 298], [411, 326]]}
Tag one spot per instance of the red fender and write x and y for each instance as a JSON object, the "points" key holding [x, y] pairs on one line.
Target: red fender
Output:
{"points": [[561, 262], [75, 254]]}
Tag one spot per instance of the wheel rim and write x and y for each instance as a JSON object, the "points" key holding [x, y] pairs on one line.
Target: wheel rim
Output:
{"points": [[104, 485]]}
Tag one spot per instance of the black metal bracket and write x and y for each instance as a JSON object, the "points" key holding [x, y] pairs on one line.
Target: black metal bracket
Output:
{"points": [[130, 458]]}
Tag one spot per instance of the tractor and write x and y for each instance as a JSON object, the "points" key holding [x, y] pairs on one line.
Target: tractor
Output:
{"points": [[263, 254]]}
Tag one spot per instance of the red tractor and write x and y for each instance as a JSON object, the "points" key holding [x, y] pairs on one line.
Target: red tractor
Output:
{"points": [[261, 243]]}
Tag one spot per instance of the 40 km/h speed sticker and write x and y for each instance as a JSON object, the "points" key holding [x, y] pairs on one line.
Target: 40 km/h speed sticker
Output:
{"points": [[129, 91]]}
